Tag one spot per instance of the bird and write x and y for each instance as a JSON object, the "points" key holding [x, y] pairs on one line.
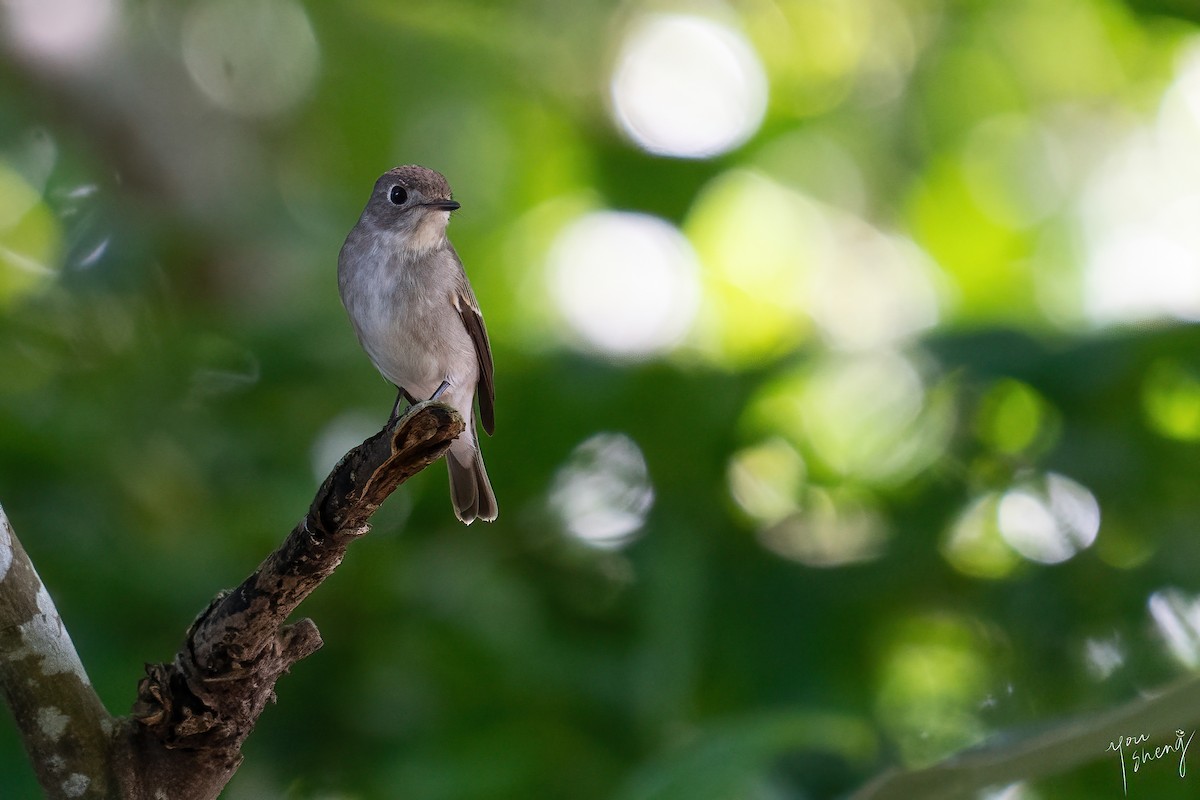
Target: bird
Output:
{"points": [[414, 313]]}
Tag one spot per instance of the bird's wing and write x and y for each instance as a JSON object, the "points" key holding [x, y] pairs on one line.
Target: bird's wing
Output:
{"points": [[468, 310]]}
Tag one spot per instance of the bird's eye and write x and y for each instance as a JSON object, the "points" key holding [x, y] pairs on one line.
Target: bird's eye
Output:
{"points": [[398, 195]]}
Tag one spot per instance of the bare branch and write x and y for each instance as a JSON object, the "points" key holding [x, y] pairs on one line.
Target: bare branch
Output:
{"points": [[64, 727], [192, 715], [1069, 744]]}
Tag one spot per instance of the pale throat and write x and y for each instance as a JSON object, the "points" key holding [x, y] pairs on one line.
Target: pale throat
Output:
{"points": [[430, 233]]}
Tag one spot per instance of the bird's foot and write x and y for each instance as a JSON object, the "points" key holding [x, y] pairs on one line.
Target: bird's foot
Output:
{"points": [[401, 395]]}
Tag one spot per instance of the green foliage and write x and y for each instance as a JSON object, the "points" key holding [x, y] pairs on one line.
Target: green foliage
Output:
{"points": [[860, 403]]}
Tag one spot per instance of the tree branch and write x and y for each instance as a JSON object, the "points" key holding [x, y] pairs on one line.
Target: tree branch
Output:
{"points": [[63, 724], [1070, 743], [183, 740], [193, 714]]}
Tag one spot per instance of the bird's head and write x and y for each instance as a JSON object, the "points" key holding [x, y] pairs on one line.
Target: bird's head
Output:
{"points": [[412, 203]]}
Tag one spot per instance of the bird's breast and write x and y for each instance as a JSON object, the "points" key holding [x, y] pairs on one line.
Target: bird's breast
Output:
{"points": [[401, 311]]}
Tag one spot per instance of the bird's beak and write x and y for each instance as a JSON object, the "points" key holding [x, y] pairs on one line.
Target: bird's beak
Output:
{"points": [[444, 205]]}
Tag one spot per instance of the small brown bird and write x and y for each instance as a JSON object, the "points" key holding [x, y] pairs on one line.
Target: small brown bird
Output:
{"points": [[412, 307]]}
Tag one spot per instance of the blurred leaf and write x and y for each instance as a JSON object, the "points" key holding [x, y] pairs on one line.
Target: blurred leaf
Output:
{"points": [[721, 761]]}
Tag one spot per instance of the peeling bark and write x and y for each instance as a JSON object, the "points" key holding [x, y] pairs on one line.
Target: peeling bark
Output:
{"points": [[183, 740]]}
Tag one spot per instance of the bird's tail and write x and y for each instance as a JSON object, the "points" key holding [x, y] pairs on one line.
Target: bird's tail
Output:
{"points": [[470, 489]]}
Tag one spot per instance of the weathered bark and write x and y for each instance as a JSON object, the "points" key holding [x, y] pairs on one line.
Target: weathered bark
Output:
{"points": [[65, 728], [183, 740]]}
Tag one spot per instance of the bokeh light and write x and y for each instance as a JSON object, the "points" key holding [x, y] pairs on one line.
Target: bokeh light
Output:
{"points": [[830, 528], [1176, 616], [1016, 170], [1171, 400], [1049, 520], [626, 284], [60, 32], [852, 275], [687, 86], [868, 416], [1046, 519], [777, 262], [224, 50], [816, 526], [872, 290], [30, 238], [1142, 258], [1014, 791], [602, 495], [1103, 656], [342, 433], [972, 248], [973, 544], [34, 157], [766, 479], [1013, 418], [935, 676], [818, 164], [757, 241]]}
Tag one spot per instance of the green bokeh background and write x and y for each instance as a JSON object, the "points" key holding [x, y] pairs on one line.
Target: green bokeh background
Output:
{"points": [[821, 588]]}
